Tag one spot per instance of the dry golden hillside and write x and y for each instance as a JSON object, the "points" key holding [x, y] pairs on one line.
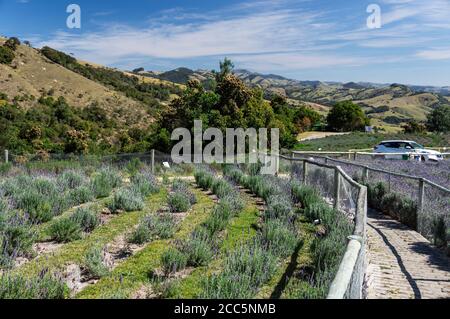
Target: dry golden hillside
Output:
{"points": [[31, 75]]}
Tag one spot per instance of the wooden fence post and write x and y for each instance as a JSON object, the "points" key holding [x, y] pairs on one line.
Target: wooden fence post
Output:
{"points": [[153, 161], [389, 183], [365, 176], [305, 172], [337, 187], [6, 156], [421, 198]]}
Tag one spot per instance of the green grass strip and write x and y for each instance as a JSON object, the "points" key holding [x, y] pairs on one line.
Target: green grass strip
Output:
{"points": [[238, 231], [133, 273], [43, 229], [287, 279], [74, 252]]}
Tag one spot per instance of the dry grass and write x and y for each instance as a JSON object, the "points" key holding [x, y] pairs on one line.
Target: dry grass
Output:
{"points": [[31, 74]]}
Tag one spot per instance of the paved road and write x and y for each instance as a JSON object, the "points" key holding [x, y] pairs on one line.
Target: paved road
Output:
{"points": [[403, 264]]}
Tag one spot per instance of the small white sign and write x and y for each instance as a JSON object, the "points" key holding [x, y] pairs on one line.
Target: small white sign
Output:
{"points": [[166, 164]]}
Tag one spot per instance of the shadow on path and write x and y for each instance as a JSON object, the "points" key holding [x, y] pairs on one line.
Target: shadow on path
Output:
{"points": [[411, 281]]}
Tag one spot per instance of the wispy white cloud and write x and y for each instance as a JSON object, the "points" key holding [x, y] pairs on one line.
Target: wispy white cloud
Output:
{"points": [[435, 54], [267, 36], [282, 30]]}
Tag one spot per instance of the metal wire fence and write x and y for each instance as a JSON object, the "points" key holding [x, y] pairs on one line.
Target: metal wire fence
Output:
{"points": [[348, 197], [431, 200]]}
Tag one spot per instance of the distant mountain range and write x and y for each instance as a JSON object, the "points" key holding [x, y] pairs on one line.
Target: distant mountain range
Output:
{"points": [[388, 105], [182, 75]]}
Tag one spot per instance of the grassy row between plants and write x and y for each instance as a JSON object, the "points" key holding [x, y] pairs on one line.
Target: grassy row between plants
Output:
{"points": [[317, 253], [229, 225], [41, 279], [289, 281], [31, 201], [252, 264], [74, 252], [199, 249], [133, 273]]}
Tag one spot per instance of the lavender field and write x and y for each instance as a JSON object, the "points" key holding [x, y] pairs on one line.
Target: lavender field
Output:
{"points": [[438, 173]]}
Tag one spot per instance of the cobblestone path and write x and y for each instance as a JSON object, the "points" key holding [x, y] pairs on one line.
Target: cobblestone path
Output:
{"points": [[402, 264]]}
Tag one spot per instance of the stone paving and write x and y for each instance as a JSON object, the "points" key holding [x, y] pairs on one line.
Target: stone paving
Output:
{"points": [[402, 264]]}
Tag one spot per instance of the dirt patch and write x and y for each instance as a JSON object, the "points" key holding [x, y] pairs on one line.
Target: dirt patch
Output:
{"points": [[120, 249]]}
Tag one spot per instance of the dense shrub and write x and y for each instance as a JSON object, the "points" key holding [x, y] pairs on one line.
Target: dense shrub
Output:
{"points": [[104, 182], [16, 237], [198, 249], [37, 206], [173, 260], [80, 195], [346, 116], [43, 286], [145, 183], [375, 194], [401, 208], [86, 218], [95, 263], [65, 230], [221, 188], [126, 199], [153, 226], [6, 55], [244, 271], [5, 168], [178, 202], [218, 219], [204, 179], [439, 230], [134, 166], [71, 179], [305, 195], [280, 237], [180, 186], [278, 206], [439, 119]]}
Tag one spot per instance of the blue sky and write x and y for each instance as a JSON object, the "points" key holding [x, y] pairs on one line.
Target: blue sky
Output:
{"points": [[301, 39]]}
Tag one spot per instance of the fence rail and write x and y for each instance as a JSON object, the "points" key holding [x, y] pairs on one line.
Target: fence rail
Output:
{"points": [[354, 154], [432, 199], [349, 197]]}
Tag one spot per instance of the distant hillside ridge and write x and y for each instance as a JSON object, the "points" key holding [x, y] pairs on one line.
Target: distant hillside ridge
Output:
{"points": [[388, 105]]}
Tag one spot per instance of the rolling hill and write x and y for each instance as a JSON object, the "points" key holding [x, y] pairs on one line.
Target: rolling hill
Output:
{"points": [[127, 97], [51, 102]]}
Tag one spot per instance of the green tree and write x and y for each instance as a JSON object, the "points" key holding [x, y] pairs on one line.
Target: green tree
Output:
{"points": [[6, 55], [414, 127], [12, 43], [226, 68], [347, 116], [439, 119]]}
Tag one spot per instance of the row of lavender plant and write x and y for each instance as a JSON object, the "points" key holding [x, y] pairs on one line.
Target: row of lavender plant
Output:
{"points": [[73, 227], [278, 238], [202, 244], [160, 225], [33, 199], [250, 266]]}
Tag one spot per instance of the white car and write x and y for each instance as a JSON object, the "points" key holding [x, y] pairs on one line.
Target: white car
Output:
{"points": [[411, 148]]}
